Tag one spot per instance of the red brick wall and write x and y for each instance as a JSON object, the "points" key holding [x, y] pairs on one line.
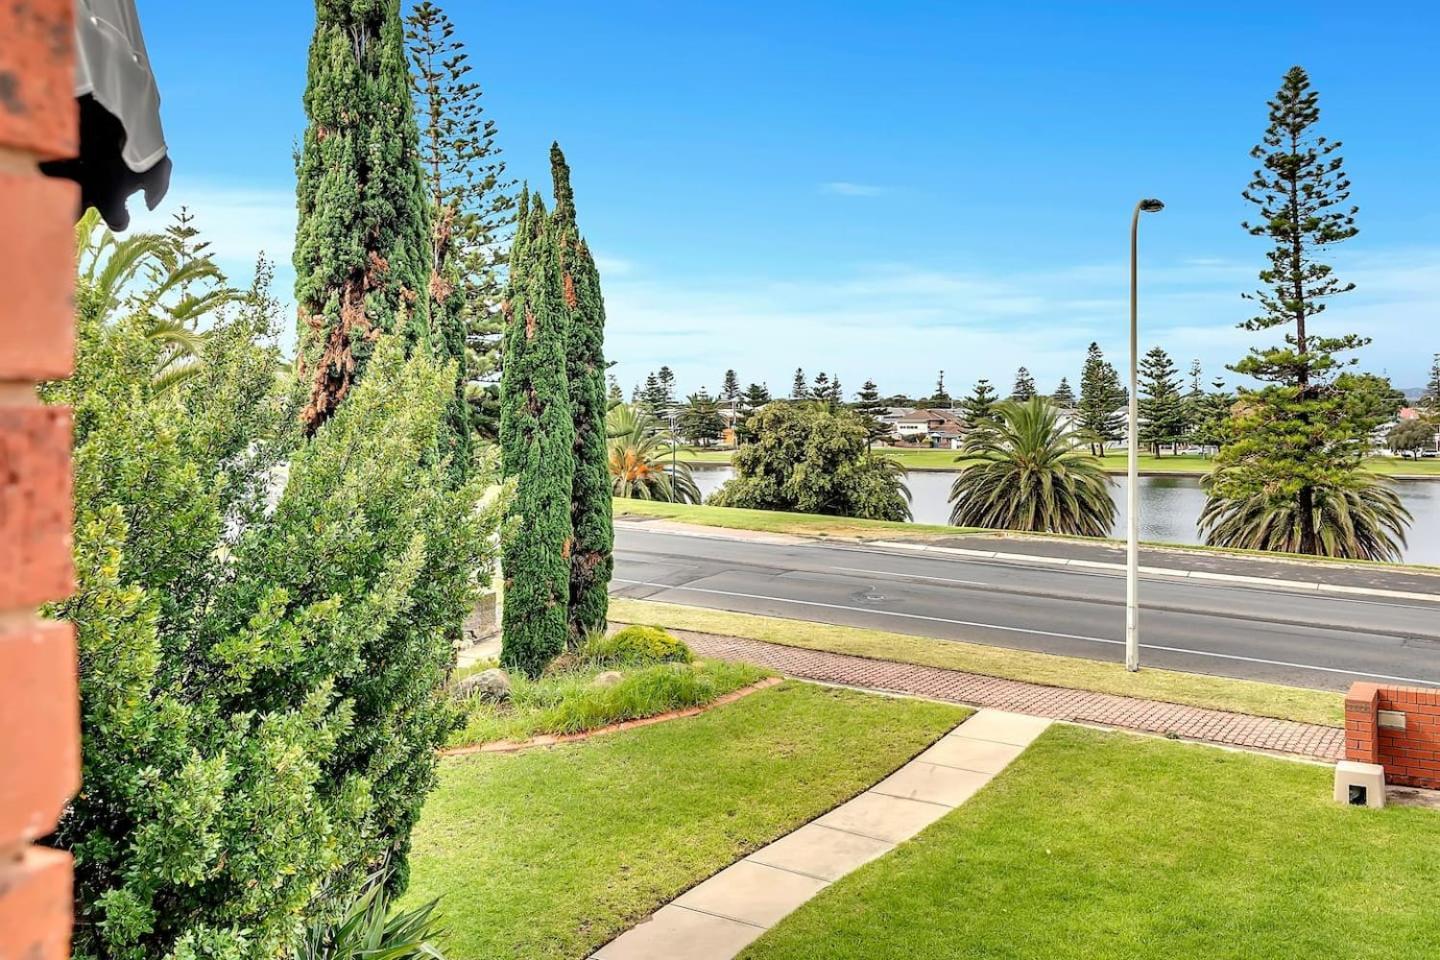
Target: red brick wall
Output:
{"points": [[1410, 756], [39, 713]]}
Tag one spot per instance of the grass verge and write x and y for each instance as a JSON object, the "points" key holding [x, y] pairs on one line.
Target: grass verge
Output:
{"points": [[1197, 690], [1099, 845], [571, 702], [775, 521], [551, 853]]}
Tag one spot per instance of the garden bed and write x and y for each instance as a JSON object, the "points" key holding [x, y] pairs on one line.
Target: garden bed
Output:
{"points": [[588, 696]]}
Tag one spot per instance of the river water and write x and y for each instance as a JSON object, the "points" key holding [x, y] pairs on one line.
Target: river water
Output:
{"points": [[1169, 506]]}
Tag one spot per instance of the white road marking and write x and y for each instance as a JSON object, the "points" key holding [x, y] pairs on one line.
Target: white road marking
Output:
{"points": [[914, 576], [1027, 630]]}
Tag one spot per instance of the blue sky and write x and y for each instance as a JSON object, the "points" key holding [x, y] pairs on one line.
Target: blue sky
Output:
{"points": [[883, 189]]}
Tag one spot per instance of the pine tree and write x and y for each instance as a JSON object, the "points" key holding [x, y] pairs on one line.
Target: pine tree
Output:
{"points": [[1101, 398], [978, 409], [800, 389], [1430, 402], [362, 238], [755, 397], [653, 397], [666, 377], [1194, 403], [1024, 386], [823, 390], [942, 398], [472, 208], [1212, 419], [870, 408], [593, 544], [1064, 396], [613, 394], [730, 388], [1162, 408], [1299, 440], [537, 443], [700, 420]]}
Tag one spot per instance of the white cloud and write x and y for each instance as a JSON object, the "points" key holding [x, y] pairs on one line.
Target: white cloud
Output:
{"points": [[847, 188], [900, 323]]}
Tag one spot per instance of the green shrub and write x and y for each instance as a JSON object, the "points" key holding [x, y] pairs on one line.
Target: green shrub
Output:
{"points": [[636, 644], [258, 676]]}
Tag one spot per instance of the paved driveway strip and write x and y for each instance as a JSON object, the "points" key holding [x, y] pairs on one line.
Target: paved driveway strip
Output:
{"points": [[1058, 703], [720, 917]]}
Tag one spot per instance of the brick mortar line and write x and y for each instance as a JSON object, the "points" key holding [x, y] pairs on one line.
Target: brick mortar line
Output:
{"points": [[1291, 737]]}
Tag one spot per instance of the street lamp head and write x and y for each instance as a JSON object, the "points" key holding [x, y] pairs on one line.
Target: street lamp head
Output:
{"points": [[1151, 205]]}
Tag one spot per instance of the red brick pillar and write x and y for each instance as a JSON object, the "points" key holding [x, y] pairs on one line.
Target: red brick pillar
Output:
{"points": [[39, 711], [1362, 733]]}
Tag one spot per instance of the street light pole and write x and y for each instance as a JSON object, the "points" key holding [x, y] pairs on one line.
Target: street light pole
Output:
{"points": [[1132, 493]]}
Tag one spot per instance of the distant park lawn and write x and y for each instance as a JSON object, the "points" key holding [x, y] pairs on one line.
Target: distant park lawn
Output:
{"points": [[1095, 846], [922, 459], [551, 853], [775, 521]]}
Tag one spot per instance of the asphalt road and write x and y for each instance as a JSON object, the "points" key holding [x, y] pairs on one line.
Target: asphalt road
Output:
{"points": [[1259, 633]]}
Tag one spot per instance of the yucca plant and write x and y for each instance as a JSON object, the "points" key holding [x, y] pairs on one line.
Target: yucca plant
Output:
{"points": [[640, 460], [1358, 516], [1030, 470], [368, 931]]}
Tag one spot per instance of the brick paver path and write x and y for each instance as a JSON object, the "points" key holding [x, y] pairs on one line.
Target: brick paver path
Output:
{"points": [[1058, 703]]}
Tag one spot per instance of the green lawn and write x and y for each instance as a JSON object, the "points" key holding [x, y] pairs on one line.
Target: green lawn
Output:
{"points": [[1095, 846], [918, 459], [775, 521], [1170, 686], [550, 853]]}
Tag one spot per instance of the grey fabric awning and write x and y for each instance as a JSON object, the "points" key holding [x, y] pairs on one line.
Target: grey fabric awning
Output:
{"points": [[122, 143]]}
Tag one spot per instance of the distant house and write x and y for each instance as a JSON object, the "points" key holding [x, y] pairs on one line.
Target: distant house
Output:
{"points": [[936, 427]]}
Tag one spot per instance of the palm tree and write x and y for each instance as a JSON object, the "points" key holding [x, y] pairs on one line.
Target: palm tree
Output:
{"points": [[1355, 517], [1030, 470], [638, 466], [110, 270]]}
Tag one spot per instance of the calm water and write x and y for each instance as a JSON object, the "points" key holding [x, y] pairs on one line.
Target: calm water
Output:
{"points": [[1169, 506]]}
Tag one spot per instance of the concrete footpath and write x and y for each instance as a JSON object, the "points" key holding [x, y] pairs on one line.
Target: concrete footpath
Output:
{"points": [[721, 916], [1308, 740]]}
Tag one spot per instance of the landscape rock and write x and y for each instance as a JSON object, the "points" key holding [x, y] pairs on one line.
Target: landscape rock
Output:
{"points": [[608, 679], [492, 686]]}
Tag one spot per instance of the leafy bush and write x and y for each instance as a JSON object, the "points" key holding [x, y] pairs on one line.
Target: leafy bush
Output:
{"points": [[635, 644], [810, 458], [571, 702], [258, 665]]}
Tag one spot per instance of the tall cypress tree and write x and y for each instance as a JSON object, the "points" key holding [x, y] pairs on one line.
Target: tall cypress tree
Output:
{"points": [[592, 551], [362, 250], [537, 444]]}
